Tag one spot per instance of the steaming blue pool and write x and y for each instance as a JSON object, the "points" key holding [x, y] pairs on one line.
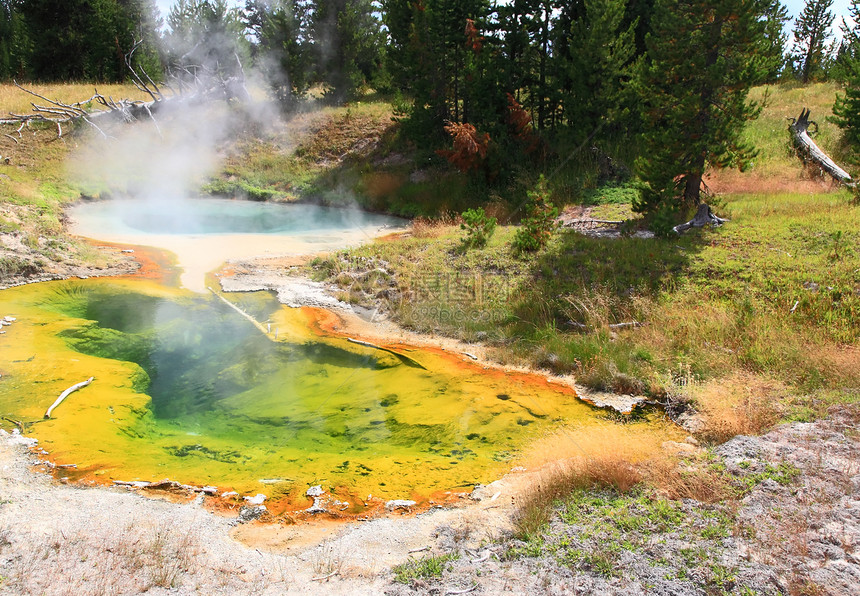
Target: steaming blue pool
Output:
{"points": [[222, 216]]}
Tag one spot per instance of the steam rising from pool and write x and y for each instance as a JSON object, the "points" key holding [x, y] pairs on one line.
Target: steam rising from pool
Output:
{"points": [[204, 233]]}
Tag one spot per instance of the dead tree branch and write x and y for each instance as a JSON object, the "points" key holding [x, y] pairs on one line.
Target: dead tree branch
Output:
{"points": [[194, 82]]}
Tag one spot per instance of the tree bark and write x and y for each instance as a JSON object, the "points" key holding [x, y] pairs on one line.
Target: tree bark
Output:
{"points": [[808, 151]]}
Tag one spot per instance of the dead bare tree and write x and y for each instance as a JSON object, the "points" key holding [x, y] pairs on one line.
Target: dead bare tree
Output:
{"points": [[809, 152], [185, 83]]}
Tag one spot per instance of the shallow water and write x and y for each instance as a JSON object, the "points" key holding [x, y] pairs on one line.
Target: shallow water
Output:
{"points": [[187, 389]]}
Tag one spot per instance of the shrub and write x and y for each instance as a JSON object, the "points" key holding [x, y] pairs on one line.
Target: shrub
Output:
{"points": [[479, 228]]}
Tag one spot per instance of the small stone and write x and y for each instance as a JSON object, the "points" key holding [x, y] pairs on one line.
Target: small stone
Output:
{"points": [[676, 447], [256, 499], [690, 440], [317, 507], [17, 439], [248, 514], [399, 504], [315, 491], [209, 490], [229, 494]]}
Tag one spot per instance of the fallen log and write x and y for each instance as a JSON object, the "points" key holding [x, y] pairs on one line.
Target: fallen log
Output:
{"points": [[704, 216], [66, 394], [404, 359], [809, 152]]}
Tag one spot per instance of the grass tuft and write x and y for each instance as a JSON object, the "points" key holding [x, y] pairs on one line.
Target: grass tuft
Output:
{"points": [[428, 567]]}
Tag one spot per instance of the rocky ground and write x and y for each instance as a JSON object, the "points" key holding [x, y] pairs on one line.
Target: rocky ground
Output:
{"points": [[795, 529], [28, 259]]}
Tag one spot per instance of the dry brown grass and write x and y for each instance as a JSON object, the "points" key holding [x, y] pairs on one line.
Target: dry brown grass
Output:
{"points": [[556, 481], [687, 480], [741, 404], [142, 557], [426, 227]]}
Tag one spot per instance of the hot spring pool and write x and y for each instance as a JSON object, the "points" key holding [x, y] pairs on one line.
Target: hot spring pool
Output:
{"points": [[188, 389], [204, 233], [185, 388]]}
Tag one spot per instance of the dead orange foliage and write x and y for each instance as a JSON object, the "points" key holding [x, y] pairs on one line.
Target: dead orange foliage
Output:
{"points": [[470, 147], [520, 122], [474, 40]]}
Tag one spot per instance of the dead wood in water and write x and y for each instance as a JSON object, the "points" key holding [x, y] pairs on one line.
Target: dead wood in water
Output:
{"points": [[404, 359], [809, 152], [66, 394]]}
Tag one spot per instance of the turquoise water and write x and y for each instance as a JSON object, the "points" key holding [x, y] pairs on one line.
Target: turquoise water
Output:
{"points": [[222, 216]]}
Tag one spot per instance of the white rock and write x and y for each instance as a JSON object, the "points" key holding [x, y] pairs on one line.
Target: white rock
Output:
{"points": [[256, 499], [9, 319], [17, 439], [229, 494], [399, 504], [317, 507], [209, 490], [315, 491]]}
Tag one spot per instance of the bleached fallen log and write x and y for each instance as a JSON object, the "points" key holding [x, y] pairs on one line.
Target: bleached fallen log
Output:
{"points": [[808, 151], [66, 394], [255, 322], [588, 221]]}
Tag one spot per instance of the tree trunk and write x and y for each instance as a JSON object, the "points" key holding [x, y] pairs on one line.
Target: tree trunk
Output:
{"points": [[808, 151], [704, 216]]}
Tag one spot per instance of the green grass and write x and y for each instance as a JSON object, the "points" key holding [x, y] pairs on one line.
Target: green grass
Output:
{"points": [[769, 133], [424, 568], [776, 291]]}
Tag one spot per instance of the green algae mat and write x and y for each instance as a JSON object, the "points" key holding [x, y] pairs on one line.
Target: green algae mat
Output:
{"points": [[188, 389]]}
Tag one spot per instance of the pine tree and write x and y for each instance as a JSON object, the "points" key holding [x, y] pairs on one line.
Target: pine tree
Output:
{"points": [[600, 65], [12, 41], [348, 39], [775, 38], [811, 33], [846, 109], [704, 56], [283, 52], [207, 34], [848, 56], [435, 65], [84, 40]]}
